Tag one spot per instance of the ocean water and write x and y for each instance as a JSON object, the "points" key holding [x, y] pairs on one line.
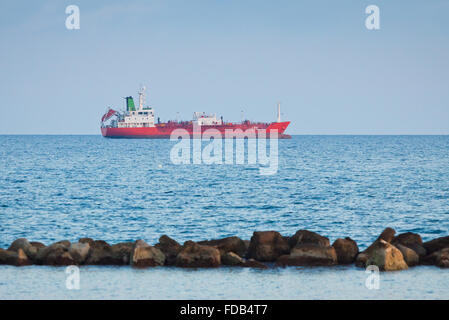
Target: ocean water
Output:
{"points": [[67, 187]]}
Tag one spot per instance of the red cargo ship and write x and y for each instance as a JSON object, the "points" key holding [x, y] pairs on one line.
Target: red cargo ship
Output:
{"points": [[139, 123]]}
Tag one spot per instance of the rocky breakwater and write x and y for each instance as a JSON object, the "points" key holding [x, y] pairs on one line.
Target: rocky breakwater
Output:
{"points": [[389, 252]]}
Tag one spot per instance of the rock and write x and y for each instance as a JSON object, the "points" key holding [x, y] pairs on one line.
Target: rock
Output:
{"points": [[436, 244], [38, 245], [90, 241], [55, 255], [79, 252], [14, 258], [231, 259], [26, 246], [99, 252], [267, 246], [193, 255], [309, 254], [251, 263], [410, 256], [361, 259], [145, 255], [346, 250], [170, 248], [386, 256], [121, 252], [387, 235], [412, 241], [234, 244], [439, 258], [308, 237]]}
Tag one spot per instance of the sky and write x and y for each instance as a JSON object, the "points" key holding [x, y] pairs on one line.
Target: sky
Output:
{"points": [[331, 74]]}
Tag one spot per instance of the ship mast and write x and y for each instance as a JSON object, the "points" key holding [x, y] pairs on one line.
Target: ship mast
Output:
{"points": [[279, 112], [141, 97]]}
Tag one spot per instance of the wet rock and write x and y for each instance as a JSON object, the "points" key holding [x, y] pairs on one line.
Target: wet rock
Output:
{"points": [[231, 259], [436, 244], [346, 250], [145, 255], [309, 254], [386, 256], [412, 241], [438, 258], [170, 248], [14, 258], [251, 263], [193, 255], [79, 252], [26, 246], [410, 256], [233, 244], [308, 237], [267, 246]]}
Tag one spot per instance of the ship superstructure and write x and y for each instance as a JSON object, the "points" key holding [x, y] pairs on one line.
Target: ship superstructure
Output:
{"points": [[140, 123]]}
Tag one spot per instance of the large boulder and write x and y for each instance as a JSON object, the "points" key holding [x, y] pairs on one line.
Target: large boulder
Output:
{"points": [[25, 245], [145, 255], [439, 258], [231, 259], [410, 240], [229, 244], [346, 250], [362, 258], [309, 254], [410, 256], [386, 256], [193, 255], [55, 254], [308, 237], [170, 248], [14, 258], [121, 252], [436, 244], [102, 253], [267, 246], [79, 252]]}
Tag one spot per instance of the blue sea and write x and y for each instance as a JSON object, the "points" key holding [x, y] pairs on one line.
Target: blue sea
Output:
{"points": [[68, 187]]}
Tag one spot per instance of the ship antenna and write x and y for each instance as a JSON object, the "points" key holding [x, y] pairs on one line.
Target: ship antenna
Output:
{"points": [[279, 112]]}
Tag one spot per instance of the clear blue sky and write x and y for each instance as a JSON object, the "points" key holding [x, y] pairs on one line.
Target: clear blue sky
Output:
{"points": [[332, 75]]}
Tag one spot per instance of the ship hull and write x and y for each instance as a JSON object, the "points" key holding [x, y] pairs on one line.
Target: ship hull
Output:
{"points": [[164, 131]]}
